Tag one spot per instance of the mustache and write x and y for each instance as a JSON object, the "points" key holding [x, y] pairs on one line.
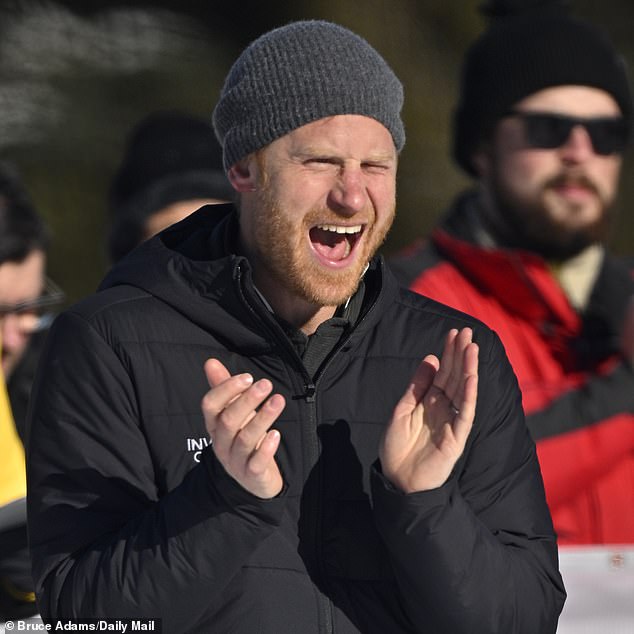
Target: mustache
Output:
{"points": [[568, 178]]}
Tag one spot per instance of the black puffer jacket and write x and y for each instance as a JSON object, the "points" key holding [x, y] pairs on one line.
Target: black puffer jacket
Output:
{"points": [[131, 515]]}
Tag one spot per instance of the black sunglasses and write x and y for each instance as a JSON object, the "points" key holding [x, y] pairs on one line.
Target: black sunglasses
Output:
{"points": [[547, 130]]}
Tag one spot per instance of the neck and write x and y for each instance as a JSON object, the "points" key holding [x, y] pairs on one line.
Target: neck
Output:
{"points": [[300, 313], [494, 228]]}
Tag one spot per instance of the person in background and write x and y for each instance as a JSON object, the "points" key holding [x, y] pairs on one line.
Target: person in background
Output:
{"points": [[17, 598], [172, 165], [543, 119], [261, 431], [25, 295]]}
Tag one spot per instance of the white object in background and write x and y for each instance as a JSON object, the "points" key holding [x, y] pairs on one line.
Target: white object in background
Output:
{"points": [[600, 585]]}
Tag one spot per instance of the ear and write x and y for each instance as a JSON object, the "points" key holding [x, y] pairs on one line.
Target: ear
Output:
{"points": [[481, 161], [242, 175]]}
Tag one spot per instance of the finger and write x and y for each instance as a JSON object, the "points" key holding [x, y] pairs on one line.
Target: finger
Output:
{"points": [[217, 375], [457, 374], [215, 372], [470, 367], [467, 398], [446, 360], [252, 435], [264, 455], [223, 393], [418, 387], [239, 413], [463, 422], [224, 389]]}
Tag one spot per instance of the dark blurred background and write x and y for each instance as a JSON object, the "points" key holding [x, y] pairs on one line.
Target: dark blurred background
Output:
{"points": [[75, 75]]}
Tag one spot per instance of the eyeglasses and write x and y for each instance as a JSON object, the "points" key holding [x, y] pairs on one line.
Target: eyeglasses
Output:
{"points": [[547, 130], [31, 315]]}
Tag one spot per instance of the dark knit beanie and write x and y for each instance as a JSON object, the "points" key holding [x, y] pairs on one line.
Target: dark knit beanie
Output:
{"points": [[530, 46], [170, 156], [300, 73]]}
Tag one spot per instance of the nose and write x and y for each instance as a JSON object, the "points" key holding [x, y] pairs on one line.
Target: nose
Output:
{"points": [[348, 194], [12, 335], [577, 147]]}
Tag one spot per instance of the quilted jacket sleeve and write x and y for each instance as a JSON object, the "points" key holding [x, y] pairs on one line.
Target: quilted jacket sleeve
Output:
{"points": [[103, 543], [479, 553]]}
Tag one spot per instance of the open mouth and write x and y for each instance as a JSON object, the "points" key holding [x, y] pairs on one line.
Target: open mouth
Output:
{"points": [[334, 244]]}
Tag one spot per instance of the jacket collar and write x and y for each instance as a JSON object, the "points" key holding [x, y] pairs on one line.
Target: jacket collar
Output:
{"points": [[193, 267]]}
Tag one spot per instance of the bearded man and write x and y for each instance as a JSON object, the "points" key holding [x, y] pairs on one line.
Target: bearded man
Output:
{"points": [[542, 123], [360, 462]]}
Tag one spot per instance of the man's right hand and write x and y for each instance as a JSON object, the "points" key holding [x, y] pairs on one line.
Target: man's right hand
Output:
{"points": [[238, 416]]}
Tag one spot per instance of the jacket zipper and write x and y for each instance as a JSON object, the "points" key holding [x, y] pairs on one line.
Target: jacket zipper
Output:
{"points": [[324, 605], [310, 456], [310, 396]]}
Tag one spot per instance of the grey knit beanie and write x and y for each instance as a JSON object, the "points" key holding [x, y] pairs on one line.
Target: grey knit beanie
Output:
{"points": [[299, 73]]}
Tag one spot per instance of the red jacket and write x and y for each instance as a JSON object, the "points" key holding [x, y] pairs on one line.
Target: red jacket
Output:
{"points": [[577, 393]]}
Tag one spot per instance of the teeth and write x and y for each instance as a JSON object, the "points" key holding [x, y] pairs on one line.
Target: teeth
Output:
{"points": [[340, 229]]}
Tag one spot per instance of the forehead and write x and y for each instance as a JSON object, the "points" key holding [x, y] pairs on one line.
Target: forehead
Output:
{"points": [[355, 136], [579, 101], [22, 281]]}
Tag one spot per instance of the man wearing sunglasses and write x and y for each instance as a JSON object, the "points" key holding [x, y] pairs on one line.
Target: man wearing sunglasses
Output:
{"points": [[542, 122]]}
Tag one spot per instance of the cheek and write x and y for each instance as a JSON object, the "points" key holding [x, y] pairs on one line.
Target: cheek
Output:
{"points": [[608, 174], [274, 223], [386, 214], [383, 198], [524, 172], [301, 193], [388, 193]]}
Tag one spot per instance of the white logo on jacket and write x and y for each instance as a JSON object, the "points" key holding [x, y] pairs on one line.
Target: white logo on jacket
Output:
{"points": [[196, 445]]}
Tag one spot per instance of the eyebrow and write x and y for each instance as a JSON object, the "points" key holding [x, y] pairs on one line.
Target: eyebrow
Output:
{"points": [[315, 151]]}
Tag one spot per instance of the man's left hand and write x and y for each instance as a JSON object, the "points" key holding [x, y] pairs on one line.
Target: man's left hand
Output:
{"points": [[430, 424]]}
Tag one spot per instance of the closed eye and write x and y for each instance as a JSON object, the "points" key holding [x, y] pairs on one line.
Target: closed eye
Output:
{"points": [[320, 160], [376, 166]]}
